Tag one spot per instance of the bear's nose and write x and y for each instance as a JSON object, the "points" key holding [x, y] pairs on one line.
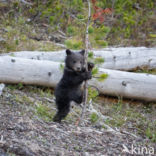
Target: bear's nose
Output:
{"points": [[78, 68]]}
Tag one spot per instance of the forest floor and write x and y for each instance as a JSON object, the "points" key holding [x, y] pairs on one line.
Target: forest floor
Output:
{"points": [[111, 127]]}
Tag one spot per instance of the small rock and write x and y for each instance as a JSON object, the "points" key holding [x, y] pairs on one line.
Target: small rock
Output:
{"points": [[2, 39], [2, 153], [28, 20], [1, 88]]}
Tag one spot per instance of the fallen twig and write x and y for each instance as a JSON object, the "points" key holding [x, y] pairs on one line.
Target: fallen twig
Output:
{"points": [[2, 140], [25, 2], [93, 110], [125, 132]]}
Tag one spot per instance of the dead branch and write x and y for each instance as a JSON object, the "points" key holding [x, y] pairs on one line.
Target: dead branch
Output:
{"points": [[25, 2], [86, 56]]}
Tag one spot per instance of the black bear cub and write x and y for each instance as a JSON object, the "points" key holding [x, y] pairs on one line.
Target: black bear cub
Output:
{"points": [[69, 87]]}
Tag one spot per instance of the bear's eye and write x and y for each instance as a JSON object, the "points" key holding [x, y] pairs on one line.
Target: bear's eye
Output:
{"points": [[74, 61]]}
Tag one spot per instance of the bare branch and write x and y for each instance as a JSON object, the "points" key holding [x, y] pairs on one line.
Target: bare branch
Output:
{"points": [[86, 56], [25, 2]]}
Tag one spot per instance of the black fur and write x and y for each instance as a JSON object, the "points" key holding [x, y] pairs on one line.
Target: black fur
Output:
{"points": [[69, 87]]}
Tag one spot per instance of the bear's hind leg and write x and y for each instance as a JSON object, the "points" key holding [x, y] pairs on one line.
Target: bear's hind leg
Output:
{"points": [[78, 99], [62, 112]]}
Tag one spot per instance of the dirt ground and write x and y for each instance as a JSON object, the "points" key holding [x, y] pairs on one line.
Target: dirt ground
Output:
{"points": [[27, 129]]}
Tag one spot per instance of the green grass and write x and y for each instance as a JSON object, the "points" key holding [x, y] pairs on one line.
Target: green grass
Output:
{"points": [[17, 37], [94, 117], [136, 118], [44, 112], [145, 70]]}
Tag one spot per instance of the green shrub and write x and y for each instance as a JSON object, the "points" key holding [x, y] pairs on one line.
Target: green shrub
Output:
{"points": [[80, 16], [74, 44], [94, 117], [90, 30], [102, 43], [71, 30]]}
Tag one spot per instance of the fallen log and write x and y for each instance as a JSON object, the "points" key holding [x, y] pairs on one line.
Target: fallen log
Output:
{"points": [[127, 59], [47, 73], [18, 70], [127, 84]]}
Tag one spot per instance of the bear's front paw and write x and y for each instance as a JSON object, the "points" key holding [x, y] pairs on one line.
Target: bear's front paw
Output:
{"points": [[88, 75], [90, 66]]}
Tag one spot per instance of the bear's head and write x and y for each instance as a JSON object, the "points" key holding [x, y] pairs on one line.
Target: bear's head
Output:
{"points": [[75, 60]]}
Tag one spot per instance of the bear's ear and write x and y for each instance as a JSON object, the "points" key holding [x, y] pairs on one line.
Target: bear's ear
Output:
{"points": [[68, 52], [82, 52]]}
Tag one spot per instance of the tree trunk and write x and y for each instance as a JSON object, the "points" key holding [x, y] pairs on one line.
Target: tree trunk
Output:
{"points": [[47, 73], [127, 59]]}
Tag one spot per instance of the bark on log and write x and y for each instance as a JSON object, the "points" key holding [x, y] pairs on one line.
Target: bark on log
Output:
{"points": [[48, 73], [128, 58]]}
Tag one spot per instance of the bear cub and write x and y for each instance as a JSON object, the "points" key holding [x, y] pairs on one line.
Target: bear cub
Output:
{"points": [[69, 87]]}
